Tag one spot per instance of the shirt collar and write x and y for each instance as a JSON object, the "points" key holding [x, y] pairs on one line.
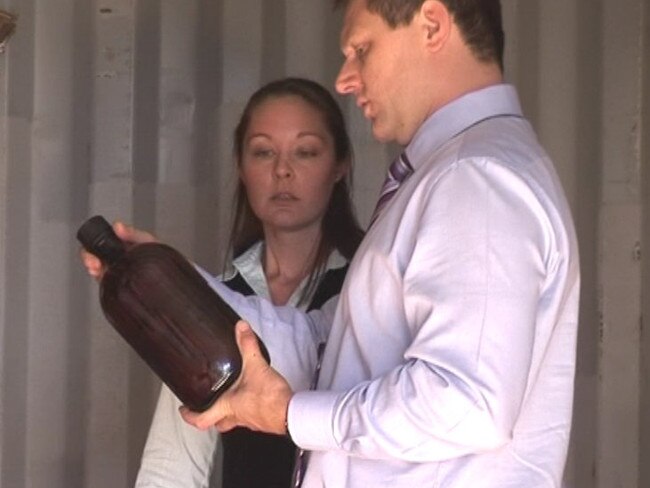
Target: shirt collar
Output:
{"points": [[249, 265], [457, 116]]}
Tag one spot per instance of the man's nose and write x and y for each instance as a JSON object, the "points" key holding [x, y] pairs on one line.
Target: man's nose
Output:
{"points": [[348, 81]]}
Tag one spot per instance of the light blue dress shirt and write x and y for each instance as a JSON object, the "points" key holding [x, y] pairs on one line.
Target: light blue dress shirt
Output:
{"points": [[451, 357]]}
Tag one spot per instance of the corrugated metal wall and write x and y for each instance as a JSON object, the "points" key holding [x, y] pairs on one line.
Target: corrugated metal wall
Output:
{"points": [[126, 107]]}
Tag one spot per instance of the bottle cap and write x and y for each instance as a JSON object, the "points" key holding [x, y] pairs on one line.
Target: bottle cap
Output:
{"points": [[97, 237], [93, 230]]}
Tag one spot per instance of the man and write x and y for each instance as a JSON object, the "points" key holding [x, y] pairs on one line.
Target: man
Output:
{"points": [[451, 356]]}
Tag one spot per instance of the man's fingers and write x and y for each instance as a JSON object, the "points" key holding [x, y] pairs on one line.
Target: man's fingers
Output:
{"points": [[217, 415], [247, 342], [202, 421], [225, 425], [131, 234]]}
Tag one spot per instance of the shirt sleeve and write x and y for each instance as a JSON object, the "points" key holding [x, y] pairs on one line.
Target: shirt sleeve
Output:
{"points": [[175, 454], [473, 277], [290, 335]]}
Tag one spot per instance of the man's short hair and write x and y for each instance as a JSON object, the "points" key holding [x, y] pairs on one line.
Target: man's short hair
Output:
{"points": [[479, 21]]}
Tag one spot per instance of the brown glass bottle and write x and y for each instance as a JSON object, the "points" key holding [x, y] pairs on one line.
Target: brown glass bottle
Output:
{"points": [[162, 306]]}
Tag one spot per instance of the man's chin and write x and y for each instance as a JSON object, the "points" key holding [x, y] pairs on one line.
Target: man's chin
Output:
{"points": [[381, 135], [390, 135]]}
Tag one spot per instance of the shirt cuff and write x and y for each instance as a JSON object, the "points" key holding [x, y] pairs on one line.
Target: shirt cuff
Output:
{"points": [[310, 419]]}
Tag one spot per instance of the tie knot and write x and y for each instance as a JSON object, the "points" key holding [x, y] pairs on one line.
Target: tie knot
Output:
{"points": [[397, 173], [400, 168]]}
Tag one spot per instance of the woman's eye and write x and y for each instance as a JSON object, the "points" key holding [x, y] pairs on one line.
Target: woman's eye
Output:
{"points": [[360, 52], [262, 153], [306, 153]]}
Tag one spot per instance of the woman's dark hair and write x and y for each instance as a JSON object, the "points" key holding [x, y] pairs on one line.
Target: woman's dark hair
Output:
{"points": [[479, 21], [340, 229]]}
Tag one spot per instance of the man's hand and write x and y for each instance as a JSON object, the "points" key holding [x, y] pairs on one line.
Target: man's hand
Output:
{"points": [[125, 232], [259, 399]]}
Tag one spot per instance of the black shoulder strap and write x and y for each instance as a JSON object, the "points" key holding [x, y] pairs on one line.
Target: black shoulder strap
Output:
{"points": [[329, 286], [238, 284]]}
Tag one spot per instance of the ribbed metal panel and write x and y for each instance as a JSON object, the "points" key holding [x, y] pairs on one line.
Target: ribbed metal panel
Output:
{"points": [[126, 108]]}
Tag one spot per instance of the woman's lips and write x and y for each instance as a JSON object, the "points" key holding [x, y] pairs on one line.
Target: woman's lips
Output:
{"points": [[283, 197]]}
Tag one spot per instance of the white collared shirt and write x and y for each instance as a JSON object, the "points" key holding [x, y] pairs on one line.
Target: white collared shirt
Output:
{"points": [[178, 455]]}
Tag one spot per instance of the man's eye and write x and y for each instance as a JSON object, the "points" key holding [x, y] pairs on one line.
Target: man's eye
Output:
{"points": [[360, 52]]}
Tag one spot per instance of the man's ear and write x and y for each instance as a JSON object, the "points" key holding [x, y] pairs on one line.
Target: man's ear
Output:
{"points": [[435, 23]]}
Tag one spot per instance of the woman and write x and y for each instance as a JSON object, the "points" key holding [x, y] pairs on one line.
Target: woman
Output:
{"points": [[293, 221], [293, 233]]}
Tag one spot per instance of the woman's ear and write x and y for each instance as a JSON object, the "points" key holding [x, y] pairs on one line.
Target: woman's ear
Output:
{"points": [[435, 23], [341, 170], [341, 173]]}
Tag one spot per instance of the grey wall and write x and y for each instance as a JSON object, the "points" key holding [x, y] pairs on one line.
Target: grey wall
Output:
{"points": [[126, 107], [644, 383]]}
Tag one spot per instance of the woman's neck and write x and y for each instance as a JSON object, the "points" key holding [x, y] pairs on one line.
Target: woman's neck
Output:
{"points": [[288, 258]]}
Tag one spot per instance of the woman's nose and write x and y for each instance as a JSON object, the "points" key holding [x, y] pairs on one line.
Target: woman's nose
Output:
{"points": [[282, 168]]}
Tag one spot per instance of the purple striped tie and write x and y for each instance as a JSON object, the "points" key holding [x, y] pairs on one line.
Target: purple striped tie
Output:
{"points": [[302, 456], [398, 171]]}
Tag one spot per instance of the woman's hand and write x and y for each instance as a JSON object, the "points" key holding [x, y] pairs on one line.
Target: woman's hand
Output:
{"points": [[125, 232]]}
